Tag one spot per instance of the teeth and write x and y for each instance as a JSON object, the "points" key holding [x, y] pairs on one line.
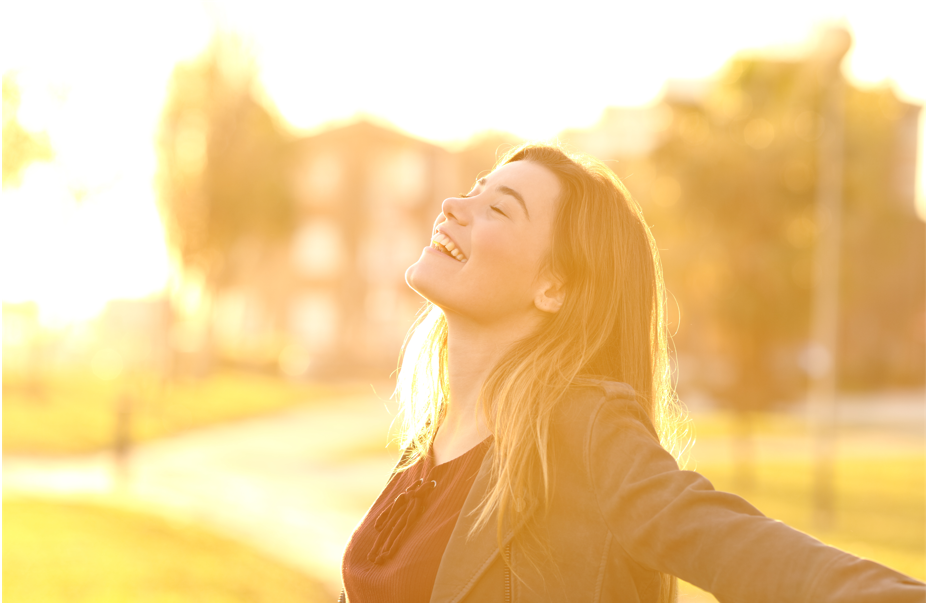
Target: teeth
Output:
{"points": [[440, 239]]}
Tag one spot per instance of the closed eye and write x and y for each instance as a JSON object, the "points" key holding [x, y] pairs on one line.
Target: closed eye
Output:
{"points": [[497, 209]]}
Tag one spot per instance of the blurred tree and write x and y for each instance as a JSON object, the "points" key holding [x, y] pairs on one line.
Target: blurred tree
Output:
{"points": [[20, 146], [883, 297], [720, 188], [222, 153], [733, 199], [721, 196]]}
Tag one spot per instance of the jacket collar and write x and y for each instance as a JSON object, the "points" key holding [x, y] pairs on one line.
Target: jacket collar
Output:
{"points": [[466, 559]]}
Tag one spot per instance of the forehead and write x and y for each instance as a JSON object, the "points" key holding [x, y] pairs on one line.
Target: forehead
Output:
{"points": [[538, 186]]}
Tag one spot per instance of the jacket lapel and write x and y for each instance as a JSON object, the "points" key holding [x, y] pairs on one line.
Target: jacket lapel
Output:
{"points": [[466, 559]]}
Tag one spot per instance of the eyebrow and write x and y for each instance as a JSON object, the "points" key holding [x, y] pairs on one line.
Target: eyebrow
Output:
{"points": [[509, 191]]}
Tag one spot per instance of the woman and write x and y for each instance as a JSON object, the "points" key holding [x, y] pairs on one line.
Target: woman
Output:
{"points": [[536, 399]]}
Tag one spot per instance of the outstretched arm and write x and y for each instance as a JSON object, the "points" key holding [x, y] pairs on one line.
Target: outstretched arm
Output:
{"points": [[675, 522]]}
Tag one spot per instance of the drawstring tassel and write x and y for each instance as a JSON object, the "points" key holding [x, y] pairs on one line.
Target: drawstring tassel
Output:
{"points": [[393, 521]]}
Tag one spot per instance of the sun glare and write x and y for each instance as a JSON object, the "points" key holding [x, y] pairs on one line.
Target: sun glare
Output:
{"points": [[84, 228], [72, 258]]}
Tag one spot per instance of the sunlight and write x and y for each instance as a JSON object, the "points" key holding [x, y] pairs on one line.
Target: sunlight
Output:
{"points": [[85, 229], [97, 90], [71, 259], [209, 208]]}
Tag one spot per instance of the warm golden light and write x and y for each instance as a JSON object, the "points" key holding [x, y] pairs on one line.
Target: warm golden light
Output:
{"points": [[84, 228], [97, 90], [211, 206], [71, 258]]}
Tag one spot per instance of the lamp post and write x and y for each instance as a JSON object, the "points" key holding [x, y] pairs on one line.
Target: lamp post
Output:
{"points": [[821, 363]]}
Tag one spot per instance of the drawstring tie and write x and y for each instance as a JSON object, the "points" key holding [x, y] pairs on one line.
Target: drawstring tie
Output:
{"points": [[393, 521]]}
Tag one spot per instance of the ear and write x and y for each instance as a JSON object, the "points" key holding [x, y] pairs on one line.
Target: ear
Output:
{"points": [[550, 295]]}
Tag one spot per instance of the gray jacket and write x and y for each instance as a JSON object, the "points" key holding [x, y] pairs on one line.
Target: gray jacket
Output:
{"points": [[622, 512]]}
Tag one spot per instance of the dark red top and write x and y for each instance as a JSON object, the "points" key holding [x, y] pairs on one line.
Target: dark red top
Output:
{"points": [[393, 555]]}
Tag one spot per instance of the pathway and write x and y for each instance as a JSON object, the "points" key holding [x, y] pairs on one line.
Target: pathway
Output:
{"points": [[295, 484]]}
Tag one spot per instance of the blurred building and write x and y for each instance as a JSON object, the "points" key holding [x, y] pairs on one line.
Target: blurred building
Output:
{"points": [[624, 138], [726, 173], [478, 157], [332, 299], [621, 133]]}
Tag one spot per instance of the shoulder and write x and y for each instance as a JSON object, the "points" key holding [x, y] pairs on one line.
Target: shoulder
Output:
{"points": [[594, 401], [601, 430]]}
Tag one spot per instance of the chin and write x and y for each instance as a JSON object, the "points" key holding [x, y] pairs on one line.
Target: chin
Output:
{"points": [[417, 277], [410, 277], [426, 281]]}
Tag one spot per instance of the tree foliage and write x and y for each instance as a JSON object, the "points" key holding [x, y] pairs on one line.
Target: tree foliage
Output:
{"points": [[20, 146], [734, 197], [222, 160]]}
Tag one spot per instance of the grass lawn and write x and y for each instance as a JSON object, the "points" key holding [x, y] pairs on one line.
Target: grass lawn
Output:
{"points": [[74, 413], [880, 503], [79, 552]]}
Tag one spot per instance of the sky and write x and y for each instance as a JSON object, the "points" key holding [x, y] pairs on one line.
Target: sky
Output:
{"points": [[94, 73]]}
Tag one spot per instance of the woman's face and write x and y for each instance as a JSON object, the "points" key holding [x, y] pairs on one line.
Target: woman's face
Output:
{"points": [[499, 234]]}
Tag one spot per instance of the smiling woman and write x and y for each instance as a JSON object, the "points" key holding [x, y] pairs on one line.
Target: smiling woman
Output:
{"points": [[499, 249], [539, 414]]}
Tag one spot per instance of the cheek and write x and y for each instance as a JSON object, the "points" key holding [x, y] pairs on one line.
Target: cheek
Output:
{"points": [[515, 260]]}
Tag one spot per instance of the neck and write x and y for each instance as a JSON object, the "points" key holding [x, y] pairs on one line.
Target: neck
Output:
{"points": [[473, 351]]}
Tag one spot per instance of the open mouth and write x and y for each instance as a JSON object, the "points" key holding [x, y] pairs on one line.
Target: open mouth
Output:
{"points": [[447, 246]]}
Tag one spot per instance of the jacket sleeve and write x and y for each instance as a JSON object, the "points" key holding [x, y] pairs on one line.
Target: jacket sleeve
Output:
{"points": [[674, 521]]}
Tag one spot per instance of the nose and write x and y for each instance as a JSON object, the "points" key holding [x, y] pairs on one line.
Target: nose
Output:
{"points": [[454, 208]]}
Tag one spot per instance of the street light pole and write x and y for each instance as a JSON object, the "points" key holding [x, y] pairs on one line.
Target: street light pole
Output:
{"points": [[824, 321]]}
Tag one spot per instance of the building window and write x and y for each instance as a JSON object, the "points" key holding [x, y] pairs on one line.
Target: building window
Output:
{"points": [[319, 180], [398, 178], [387, 249], [314, 319], [318, 249]]}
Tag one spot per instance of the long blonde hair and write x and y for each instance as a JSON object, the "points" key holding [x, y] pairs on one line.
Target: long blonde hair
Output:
{"points": [[612, 324]]}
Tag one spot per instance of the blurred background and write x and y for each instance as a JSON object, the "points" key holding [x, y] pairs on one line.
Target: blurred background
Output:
{"points": [[208, 207]]}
